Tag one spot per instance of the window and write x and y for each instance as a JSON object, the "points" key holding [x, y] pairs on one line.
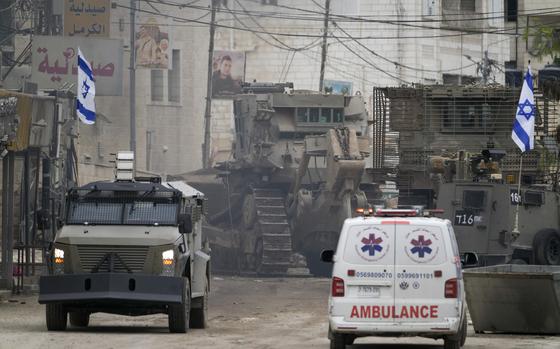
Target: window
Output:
{"points": [[468, 5], [326, 115], [474, 199], [535, 198], [156, 85], [313, 114], [511, 10], [301, 115], [174, 78], [320, 115], [429, 8]]}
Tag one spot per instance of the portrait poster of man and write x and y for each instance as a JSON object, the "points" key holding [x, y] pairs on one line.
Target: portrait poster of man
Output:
{"points": [[228, 71], [152, 43]]}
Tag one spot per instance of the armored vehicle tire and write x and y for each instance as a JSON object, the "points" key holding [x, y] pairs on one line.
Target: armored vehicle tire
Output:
{"points": [[547, 247], [79, 318], [56, 317], [179, 314], [199, 314]]}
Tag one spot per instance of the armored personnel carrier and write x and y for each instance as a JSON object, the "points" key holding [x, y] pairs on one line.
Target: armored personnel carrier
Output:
{"points": [[483, 206], [434, 136], [295, 174], [133, 246]]}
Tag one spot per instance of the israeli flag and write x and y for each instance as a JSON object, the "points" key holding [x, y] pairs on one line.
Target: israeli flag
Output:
{"points": [[523, 133], [86, 91]]}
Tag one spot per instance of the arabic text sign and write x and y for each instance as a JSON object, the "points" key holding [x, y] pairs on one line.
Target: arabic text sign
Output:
{"points": [[88, 18], [55, 62]]}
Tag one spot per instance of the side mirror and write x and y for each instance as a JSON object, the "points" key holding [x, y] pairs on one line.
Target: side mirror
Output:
{"points": [[469, 259], [327, 256], [185, 223]]}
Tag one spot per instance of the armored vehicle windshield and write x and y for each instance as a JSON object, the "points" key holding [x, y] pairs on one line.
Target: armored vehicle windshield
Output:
{"points": [[123, 203]]}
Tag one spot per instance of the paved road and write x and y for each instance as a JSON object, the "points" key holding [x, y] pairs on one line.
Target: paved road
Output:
{"points": [[244, 313]]}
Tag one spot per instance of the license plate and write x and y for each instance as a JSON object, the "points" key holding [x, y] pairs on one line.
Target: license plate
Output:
{"points": [[368, 291]]}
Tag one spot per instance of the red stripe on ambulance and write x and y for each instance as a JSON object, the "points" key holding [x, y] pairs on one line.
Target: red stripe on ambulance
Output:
{"points": [[387, 311]]}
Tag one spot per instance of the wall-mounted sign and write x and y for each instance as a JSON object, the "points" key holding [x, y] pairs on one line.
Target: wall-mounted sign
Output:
{"points": [[228, 71], [90, 18], [338, 87], [54, 62], [152, 42]]}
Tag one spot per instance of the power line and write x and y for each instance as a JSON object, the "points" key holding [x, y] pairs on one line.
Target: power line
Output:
{"points": [[283, 34], [463, 31]]}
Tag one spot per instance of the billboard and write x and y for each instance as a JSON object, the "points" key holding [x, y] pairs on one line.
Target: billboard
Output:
{"points": [[152, 42], [89, 18], [228, 72], [54, 62], [338, 87]]}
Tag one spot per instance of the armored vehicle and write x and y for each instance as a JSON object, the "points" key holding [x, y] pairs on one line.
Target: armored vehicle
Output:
{"points": [[434, 136], [483, 208], [298, 161], [132, 246]]}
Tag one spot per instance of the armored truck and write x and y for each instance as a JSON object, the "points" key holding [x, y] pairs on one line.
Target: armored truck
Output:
{"points": [[132, 246]]}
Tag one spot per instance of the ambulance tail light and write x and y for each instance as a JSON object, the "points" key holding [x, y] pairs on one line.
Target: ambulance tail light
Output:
{"points": [[337, 287], [451, 288]]}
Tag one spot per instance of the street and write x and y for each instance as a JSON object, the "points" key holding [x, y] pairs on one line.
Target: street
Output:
{"points": [[243, 313]]}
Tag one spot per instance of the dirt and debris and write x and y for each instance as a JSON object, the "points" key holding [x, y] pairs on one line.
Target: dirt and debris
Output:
{"points": [[244, 313]]}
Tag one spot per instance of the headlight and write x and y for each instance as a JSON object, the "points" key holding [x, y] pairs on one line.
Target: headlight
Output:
{"points": [[168, 263], [58, 261]]}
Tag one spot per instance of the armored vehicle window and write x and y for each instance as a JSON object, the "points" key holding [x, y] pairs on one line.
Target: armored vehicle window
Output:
{"points": [[535, 198], [145, 212], [94, 213], [320, 115], [338, 115], [301, 114], [326, 115], [313, 114], [473, 198]]}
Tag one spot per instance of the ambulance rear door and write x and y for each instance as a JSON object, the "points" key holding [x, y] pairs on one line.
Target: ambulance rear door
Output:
{"points": [[426, 285]]}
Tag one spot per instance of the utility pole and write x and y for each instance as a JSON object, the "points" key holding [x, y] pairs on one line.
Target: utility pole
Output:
{"points": [[132, 82], [324, 45], [208, 111]]}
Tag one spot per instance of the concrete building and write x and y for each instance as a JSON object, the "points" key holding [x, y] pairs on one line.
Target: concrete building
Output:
{"points": [[391, 43], [523, 14], [169, 102]]}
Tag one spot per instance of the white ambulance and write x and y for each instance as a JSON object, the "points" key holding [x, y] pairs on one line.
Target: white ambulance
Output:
{"points": [[396, 274]]}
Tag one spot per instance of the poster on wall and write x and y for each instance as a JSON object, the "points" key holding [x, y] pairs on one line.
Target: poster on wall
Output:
{"points": [[54, 62], [152, 42], [338, 87], [228, 72], [89, 18]]}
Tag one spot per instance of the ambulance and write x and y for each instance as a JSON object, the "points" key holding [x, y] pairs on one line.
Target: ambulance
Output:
{"points": [[397, 273]]}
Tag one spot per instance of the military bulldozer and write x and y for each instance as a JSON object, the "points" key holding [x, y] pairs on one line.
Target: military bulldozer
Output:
{"points": [[295, 175]]}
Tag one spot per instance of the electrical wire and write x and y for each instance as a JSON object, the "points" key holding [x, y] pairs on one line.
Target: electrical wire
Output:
{"points": [[463, 31]]}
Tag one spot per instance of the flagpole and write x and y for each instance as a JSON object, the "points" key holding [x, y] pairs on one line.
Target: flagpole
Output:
{"points": [[515, 232]]}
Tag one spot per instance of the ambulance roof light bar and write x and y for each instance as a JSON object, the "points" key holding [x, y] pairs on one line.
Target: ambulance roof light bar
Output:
{"points": [[398, 212]]}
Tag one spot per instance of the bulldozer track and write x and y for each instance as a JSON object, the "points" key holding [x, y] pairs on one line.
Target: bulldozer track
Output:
{"points": [[274, 231]]}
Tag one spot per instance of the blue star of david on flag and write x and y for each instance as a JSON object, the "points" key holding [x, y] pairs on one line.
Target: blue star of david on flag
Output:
{"points": [[85, 89], [85, 103], [523, 133], [526, 109]]}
